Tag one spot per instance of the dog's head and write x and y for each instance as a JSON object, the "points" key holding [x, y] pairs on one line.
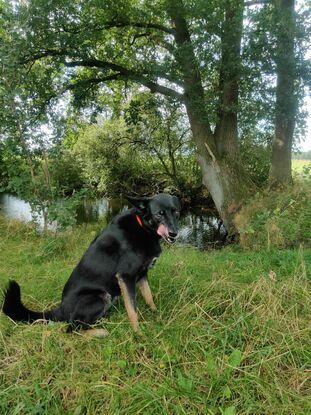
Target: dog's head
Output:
{"points": [[159, 213]]}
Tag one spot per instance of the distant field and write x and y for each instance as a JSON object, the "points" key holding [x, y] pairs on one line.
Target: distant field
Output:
{"points": [[298, 165]]}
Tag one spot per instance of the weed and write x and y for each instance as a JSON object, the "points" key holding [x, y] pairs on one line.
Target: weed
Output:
{"points": [[279, 219]]}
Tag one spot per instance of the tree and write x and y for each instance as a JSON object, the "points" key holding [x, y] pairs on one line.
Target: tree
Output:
{"points": [[286, 98], [277, 41], [91, 36], [188, 51]]}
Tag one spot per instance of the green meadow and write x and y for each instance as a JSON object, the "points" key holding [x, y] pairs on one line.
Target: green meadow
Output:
{"points": [[231, 334], [299, 165]]}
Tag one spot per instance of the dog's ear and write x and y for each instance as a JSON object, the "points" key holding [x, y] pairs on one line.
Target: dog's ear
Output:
{"points": [[176, 203], [140, 203]]}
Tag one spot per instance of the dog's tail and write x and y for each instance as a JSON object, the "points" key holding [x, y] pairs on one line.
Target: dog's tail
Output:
{"points": [[14, 308]]}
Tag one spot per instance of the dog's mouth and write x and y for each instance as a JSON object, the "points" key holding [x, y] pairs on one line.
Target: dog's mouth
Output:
{"points": [[164, 233], [169, 239]]}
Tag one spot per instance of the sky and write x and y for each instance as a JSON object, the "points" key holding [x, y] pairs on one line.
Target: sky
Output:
{"points": [[306, 145]]}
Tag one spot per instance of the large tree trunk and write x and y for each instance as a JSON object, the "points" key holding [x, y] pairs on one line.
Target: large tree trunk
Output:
{"points": [[226, 131], [228, 186], [285, 106], [217, 153]]}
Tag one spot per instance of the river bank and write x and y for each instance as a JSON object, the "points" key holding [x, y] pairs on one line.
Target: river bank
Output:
{"points": [[199, 226]]}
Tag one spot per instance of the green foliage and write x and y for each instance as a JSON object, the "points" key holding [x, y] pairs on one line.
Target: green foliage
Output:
{"points": [[145, 151], [306, 171], [301, 168], [52, 246], [3, 170], [159, 128], [15, 175], [64, 175], [54, 189], [109, 163], [256, 157], [261, 48], [64, 211], [104, 46], [99, 53], [277, 218], [65, 172]]}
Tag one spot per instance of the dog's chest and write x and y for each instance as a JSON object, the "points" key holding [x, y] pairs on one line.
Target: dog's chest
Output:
{"points": [[149, 263], [152, 262], [148, 256]]}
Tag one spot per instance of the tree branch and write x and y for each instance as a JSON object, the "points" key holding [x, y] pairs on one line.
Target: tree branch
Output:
{"points": [[85, 82], [120, 24], [95, 63], [138, 36], [126, 73], [142, 25], [45, 54], [123, 72], [152, 86]]}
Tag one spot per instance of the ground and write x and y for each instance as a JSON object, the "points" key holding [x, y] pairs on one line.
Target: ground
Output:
{"points": [[231, 335]]}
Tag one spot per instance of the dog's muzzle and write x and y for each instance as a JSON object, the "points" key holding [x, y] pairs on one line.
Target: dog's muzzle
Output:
{"points": [[168, 236]]}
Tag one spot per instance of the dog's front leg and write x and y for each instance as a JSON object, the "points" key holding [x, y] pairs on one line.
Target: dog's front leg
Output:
{"points": [[146, 292], [127, 288]]}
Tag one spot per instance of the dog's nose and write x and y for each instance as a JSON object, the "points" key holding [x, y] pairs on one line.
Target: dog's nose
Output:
{"points": [[172, 234]]}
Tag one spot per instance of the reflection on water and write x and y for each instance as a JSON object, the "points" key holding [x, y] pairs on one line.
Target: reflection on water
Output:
{"points": [[202, 230], [93, 210], [198, 228]]}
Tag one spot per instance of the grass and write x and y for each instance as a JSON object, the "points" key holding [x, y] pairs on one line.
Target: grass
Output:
{"points": [[298, 165], [278, 218], [231, 335]]}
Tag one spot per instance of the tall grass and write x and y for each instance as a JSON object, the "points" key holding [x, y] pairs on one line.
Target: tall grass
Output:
{"points": [[231, 335], [278, 218]]}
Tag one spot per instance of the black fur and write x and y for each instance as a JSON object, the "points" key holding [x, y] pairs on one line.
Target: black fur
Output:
{"points": [[124, 247]]}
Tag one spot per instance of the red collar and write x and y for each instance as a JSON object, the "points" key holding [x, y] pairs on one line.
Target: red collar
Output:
{"points": [[138, 218]]}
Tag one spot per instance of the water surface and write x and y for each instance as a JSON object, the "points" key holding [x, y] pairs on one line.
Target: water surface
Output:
{"points": [[198, 227]]}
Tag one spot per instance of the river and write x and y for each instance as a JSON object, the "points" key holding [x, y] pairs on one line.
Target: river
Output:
{"points": [[198, 227]]}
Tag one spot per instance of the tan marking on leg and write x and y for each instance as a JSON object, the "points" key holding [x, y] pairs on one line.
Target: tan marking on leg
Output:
{"points": [[95, 333], [146, 293], [132, 315]]}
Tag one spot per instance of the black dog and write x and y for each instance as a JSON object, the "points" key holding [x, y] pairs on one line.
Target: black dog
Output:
{"points": [[115, 261]]}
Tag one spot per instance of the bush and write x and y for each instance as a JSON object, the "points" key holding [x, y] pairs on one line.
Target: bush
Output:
{"points": [[64, 211], [107, 163], [279, 219]]}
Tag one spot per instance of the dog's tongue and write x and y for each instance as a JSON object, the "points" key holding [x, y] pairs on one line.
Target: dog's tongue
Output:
{"points": [[162, 230]]}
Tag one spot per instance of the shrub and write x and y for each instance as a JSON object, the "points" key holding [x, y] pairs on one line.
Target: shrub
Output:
{"points": [[64, 211], [277, 218]]}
